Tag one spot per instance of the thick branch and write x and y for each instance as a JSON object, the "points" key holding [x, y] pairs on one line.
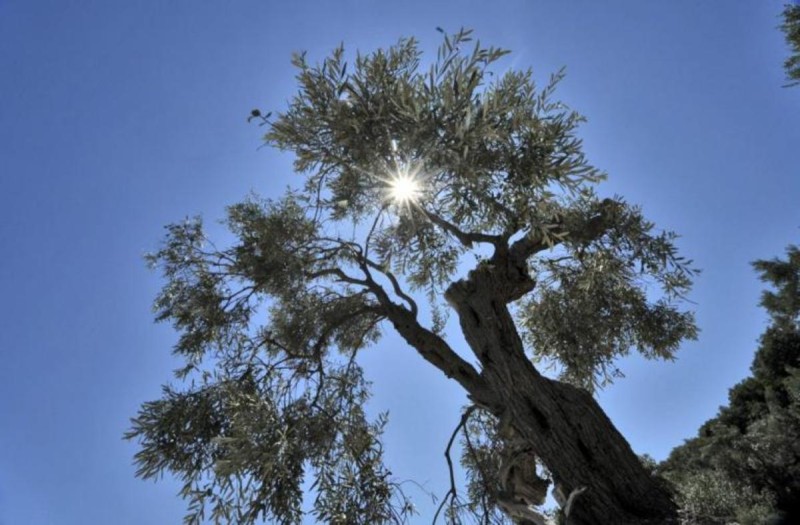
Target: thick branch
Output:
{"points": [[509, 264], [521, 250], [435, 350], [465, 238]]}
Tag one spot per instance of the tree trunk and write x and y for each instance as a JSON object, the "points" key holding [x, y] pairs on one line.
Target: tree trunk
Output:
{"points": [[563, 424]]}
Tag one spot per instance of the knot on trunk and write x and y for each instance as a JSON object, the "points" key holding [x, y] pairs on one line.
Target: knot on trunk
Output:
{"points": [[499, 277], [521, 486], [519, 477]]}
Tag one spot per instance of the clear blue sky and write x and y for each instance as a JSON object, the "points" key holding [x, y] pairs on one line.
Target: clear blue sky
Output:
{"points": [[117, 117]]}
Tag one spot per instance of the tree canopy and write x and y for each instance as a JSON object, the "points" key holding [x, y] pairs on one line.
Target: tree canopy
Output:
{"points": [[745, 462], [406, 172]]}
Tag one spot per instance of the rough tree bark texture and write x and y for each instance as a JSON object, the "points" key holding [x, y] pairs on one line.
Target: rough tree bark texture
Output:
{"points": [[565, 425]]}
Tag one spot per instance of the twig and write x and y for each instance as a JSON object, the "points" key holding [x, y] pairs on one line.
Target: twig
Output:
{"points": [[452, 493], [571, 501]]}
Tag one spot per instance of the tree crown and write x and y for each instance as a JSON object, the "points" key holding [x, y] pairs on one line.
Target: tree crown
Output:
{"points": [[488, 164]]}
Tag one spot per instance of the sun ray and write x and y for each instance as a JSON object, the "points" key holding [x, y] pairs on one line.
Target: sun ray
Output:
{"points": [[404, 188]]}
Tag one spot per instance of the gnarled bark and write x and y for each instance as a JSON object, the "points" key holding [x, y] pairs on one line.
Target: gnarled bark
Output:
{"points": [[563, 424]]}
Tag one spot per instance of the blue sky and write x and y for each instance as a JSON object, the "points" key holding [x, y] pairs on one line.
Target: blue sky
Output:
{"points": [[119, 117]]}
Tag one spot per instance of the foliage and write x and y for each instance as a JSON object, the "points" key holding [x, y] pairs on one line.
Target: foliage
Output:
{"points": [[272, 325], [593, 310], [748, 456], [710, 497], [791, 28]]}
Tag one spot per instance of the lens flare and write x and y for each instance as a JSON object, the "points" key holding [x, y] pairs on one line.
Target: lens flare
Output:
{"points": [[404, 188]]}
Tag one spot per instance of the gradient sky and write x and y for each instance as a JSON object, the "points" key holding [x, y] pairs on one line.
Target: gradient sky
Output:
{"points": [[117, 117]]}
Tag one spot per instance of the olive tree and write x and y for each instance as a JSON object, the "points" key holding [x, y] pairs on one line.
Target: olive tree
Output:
{"points": [[449, 188]]}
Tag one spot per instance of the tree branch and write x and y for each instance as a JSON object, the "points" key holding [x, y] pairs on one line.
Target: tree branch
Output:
{"points": [[372, 230], [508, 267], [430, 346], [465, 238], [338, 274], [452, 494], [521, 250], [395, 284], [436, 351]]}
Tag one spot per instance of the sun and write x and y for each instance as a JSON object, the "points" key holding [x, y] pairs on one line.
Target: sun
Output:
{"points": [[404, 188]]}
